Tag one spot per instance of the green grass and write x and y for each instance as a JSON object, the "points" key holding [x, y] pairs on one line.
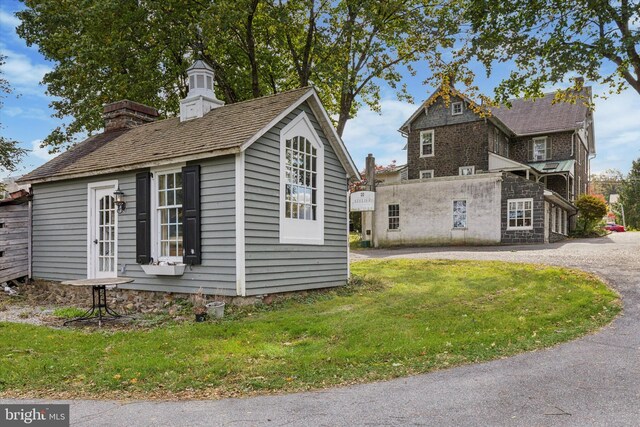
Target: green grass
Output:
{"points": [[354, 241], [68, 312], [400, 317]]}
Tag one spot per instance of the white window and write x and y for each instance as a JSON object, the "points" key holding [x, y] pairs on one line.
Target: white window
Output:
{"points": [[553, 219], [426, 143], [564, 222], [459, 214], [456, 108], [426, 174], [302, 183], [558, 220], [393, 212], [466, 170], [166, 223], [520, 214], [539, 149]]}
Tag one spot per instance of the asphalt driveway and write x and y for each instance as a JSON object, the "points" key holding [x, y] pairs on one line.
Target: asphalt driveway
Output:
{"points": [[591, 381]]}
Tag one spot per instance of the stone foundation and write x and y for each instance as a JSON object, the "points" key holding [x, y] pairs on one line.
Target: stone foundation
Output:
{"points": [[42, 292]]}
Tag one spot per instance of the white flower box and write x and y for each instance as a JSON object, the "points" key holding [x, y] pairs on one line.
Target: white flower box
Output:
{"points": [[164, 270]]}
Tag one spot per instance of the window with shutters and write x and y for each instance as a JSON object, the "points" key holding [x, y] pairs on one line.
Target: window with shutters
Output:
{"points": [[539, 149], [301, 183], [166, 212]]}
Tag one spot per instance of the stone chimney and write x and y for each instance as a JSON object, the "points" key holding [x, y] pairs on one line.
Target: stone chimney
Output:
{"points": [[127, 114], [201, 98]]}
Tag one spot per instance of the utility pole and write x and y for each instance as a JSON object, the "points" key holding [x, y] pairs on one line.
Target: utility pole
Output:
{"points": [[367, 216]]}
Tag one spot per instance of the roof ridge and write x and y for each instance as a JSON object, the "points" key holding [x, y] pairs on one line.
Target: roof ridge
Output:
{"points": [[544, 94]]}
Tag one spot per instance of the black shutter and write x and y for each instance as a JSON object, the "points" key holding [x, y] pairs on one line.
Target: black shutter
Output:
{"points": [[191, 214], [143, 217]]}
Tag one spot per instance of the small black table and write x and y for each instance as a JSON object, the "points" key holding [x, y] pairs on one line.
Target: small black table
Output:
{"points": [[99, 288]]}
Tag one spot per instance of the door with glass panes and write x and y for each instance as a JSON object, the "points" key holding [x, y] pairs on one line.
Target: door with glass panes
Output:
{"points": [[102, 233]]}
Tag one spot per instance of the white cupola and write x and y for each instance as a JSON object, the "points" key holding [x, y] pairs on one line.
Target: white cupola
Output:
{"points": [[201, 98]]}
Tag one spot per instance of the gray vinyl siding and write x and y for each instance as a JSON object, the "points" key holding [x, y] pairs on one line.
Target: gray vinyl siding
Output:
{"points": [[60, 232], [274, 267]]}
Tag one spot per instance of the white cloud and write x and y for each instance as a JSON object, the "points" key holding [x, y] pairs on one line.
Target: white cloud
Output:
{"points": [[22, 73], [40, 152], [8, 20], [28, 113], [617, 129], [370, 132]]}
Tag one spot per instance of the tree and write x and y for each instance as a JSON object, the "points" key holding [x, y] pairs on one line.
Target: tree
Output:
{"points": [[591, 209], [630, 195], [548, 39], [105, 50], [607, 183], [10, 151]]}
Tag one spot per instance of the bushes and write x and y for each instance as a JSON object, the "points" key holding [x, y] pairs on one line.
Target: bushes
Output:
{"points": [[591, 210]]}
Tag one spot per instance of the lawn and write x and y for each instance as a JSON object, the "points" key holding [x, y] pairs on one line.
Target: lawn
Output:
{"points": [[398, 318]]}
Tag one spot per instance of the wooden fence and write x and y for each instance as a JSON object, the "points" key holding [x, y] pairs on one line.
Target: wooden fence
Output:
{"points": [[15, 239]]}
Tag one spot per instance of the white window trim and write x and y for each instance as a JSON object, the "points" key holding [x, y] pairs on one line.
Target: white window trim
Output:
{"points": [[433, 143], [453, 104], [522, 227], [155, 229], [294, 231], [466, 215], [429, 171], [393, 230], [473, 170], [533, 148], [91, 202]]}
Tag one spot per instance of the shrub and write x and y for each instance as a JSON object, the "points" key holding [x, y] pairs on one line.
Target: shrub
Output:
{"points": [[591, 209]]}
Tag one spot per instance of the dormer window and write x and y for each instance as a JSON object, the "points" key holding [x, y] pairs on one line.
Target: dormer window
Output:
{"points": [[456, 108]]}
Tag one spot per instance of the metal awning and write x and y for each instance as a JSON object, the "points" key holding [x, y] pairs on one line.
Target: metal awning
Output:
{"points": [[554, 166]]}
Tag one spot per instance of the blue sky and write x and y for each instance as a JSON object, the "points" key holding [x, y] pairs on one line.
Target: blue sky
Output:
{"points": [[27, 117]]}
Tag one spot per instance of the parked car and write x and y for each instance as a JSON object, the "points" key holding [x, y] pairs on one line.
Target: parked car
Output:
{"points": [[612, 226]]}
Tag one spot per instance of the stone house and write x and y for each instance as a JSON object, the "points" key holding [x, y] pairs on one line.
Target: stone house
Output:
{"points": [[511, 177], [242, 199]]}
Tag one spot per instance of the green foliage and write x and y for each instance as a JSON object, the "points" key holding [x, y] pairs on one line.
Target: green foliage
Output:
{"points": [[10, 151], [106, 50], [425, 315], [549, 39], [591, 209], [68, 312], [630, 196]]}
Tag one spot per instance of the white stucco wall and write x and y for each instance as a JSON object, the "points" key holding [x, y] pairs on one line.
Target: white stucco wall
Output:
{"points": [[426, 211]]}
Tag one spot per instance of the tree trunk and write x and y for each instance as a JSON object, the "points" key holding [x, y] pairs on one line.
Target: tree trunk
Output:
{"points": [[251, 51]]}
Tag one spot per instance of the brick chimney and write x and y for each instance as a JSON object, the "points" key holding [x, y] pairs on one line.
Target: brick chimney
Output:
{"points": [[127, 114]]}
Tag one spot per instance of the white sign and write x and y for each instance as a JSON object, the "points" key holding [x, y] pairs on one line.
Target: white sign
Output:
{"points": [[362, 201], [613, 198]]}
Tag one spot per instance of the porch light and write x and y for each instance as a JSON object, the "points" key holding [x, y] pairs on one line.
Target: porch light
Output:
{"points": [[119, 200]]}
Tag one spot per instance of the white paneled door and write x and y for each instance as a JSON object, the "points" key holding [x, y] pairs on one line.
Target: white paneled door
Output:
{"points": [[102, 231]]}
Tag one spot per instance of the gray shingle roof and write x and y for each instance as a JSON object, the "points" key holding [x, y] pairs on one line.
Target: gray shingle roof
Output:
{"points": [[222, 129], [530, 117]]}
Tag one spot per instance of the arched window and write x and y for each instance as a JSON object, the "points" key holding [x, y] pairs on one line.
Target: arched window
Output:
{"points": [[302, 183]]}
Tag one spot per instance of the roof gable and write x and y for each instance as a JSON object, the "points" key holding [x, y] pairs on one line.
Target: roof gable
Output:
{"points": [[525, 117], [224, 130]]}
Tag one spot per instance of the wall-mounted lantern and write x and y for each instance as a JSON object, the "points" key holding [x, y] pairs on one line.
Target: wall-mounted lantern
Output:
{"points": [[119, 200]]}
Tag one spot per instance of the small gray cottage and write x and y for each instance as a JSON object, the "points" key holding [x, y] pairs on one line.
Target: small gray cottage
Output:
{"points": [[241, 199]]}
